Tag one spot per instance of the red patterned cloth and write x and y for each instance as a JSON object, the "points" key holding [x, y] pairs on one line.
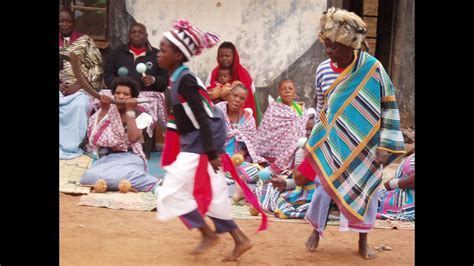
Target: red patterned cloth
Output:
{"points": [[241, 74]]}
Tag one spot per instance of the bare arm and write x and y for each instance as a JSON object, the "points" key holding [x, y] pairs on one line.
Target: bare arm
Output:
{"points": [[300, 179], [403, 182], [104, 106], [133, 132]]}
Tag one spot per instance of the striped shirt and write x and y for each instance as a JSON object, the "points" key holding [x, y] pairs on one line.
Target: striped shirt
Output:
{"points": [[327, 73], [325, 76]]}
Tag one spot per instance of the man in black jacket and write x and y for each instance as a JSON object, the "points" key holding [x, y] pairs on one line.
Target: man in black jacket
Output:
{"points": [[123, 61]]}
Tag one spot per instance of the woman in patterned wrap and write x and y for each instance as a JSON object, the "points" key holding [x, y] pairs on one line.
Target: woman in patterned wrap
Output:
{"points": [[288, 195], [240, 135], [397, 197], [114, 132], [283, 123]]}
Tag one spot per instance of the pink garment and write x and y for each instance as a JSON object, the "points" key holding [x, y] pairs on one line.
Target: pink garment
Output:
{"points": [[408, 168], [245, 133], [156, 108], [278, 134], [110, 133]]}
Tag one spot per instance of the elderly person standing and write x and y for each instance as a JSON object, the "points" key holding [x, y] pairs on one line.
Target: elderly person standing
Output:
{"points": [[74, 104], [357, 133], [123, 61]]}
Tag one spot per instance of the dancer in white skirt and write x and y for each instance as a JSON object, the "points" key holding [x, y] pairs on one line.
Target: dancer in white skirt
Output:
{"points": [[194, 184]]}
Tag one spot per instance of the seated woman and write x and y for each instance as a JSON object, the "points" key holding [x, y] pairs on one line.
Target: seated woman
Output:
{"points": [[397, 198], [114, 131], [151, 102], [282, 125], [228, 57], [75, 105], [288, 195], [240, 133]]}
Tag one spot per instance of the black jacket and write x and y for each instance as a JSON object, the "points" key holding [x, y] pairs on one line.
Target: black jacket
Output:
{"points": [[189, 90], [122, 57]]}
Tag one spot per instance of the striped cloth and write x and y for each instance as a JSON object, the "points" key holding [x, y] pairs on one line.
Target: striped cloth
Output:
{"points": [[247, 171], [359, 116], [399, 204], [290, 204], [325, 76]]}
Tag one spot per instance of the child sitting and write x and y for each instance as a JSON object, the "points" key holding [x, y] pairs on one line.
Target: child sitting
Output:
{"points": [[219, 91]]}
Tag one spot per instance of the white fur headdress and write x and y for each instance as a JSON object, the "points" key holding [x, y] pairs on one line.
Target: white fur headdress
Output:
{"points": [[343, 27]]}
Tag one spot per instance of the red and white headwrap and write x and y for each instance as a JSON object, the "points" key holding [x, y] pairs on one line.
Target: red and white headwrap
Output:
{"points": [[190, 40]]}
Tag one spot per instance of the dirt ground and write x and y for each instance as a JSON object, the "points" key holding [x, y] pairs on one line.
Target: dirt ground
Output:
{"points": [[98, 236]]}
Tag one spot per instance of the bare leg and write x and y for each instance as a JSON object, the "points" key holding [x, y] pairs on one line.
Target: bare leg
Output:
{"points": [[313, 241], [209, 239], [242, 244], [238, 194], [364, 249]]}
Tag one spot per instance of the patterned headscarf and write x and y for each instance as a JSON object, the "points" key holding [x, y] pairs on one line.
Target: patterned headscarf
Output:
{"points": [[190, 40]]}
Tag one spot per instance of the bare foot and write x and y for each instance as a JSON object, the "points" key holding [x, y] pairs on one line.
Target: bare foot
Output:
{"points": [[238, 194], [206, 243], [313, 241], [240, 248], [366, 252]]}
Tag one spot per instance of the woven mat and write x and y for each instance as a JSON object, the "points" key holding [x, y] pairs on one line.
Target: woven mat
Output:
{"points": [[70, 172], [241, 212], [146, 201], [141, 201], [388, 224]]}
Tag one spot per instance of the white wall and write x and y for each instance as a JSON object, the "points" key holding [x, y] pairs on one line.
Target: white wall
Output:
{"points": [[269, 34]]}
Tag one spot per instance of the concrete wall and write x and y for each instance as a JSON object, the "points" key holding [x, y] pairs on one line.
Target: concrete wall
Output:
{"points": [[302, 71], [275, 38], [402, 65]]}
